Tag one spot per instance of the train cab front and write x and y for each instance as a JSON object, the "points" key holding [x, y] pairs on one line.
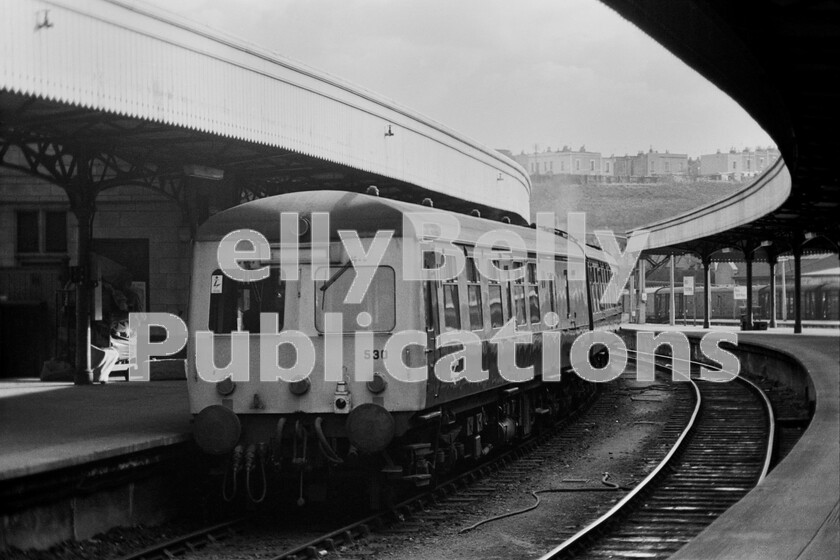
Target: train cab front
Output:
{"points": [[287, 380]]}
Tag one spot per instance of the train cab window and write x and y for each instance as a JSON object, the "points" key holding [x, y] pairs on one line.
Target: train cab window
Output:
{"points": [[236, 306], [474, 295], [533, 292], [379, 300]]}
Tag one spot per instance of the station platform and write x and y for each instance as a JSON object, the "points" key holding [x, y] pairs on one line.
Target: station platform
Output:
{"points": [[46, 426], [793, 513]]}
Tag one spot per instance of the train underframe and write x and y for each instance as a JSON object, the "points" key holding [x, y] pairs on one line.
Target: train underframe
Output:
{"points": [[310, 457]]}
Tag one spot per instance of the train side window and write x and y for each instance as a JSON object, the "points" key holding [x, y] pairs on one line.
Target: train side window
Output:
{"points": [[533, 293], [496, 315], [517, 288], [596, 282], [552, 295], [451, 307], [519, 304], [451, 297], [497, 318], [236, 306], [431, 260], [602, 286], [568, 295], [474, 294]]}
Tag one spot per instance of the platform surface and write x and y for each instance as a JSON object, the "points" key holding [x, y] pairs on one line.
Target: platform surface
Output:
{"points": [[48, 426], [793, 513]]}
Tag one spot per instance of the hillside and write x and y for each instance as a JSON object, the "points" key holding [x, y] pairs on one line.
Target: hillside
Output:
{"points": [[621, 207]]}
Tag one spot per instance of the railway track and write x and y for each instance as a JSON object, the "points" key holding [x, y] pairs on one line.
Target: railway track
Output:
{"points": [[720, 456]]}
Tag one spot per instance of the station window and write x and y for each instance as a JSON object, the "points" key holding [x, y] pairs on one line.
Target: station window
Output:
{"points": [[236, 306], [591, 165], [379, 300], [40, 231], [28, 232]]}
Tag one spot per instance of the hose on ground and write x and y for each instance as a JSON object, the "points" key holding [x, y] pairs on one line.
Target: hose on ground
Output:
{"points": [[608, 487]]}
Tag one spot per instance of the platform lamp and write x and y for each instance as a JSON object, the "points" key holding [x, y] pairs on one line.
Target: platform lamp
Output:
{"points": [[204, 172], [204, 205]]}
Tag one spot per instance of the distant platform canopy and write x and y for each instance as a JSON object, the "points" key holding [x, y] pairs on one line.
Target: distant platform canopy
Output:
{"points": [[154, 93], [772, 59]]}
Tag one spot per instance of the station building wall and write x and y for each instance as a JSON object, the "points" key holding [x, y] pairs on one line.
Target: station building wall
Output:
{"points": [[133, 214]]}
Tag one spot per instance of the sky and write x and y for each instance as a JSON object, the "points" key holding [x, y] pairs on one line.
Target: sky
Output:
{"points": [[511, 75]]}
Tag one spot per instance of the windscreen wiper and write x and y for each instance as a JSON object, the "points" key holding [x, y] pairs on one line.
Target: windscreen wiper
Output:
{"points": [[336, 275]]}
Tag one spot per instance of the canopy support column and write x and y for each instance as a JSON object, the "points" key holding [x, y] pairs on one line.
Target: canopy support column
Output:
{"points": [[82, 205], [672, 314], [707, 292], [642, 302], [748, 258], [797, 288]]}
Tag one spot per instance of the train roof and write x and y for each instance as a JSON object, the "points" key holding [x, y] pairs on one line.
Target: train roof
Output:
{"points": [[365, 214]]}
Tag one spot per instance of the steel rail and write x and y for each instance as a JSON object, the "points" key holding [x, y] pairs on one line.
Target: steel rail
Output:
{"points": [[771, 422], [682, 442], [589, 529], [184, 543]]}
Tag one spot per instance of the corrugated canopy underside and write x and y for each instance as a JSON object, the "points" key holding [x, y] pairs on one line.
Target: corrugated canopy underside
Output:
{"points": [[103, 56]]}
